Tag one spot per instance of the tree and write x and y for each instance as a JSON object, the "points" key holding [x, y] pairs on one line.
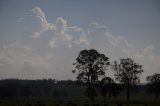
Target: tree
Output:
{"points": [[127, 73], [90, 66], [109, 88], [154, 84]]}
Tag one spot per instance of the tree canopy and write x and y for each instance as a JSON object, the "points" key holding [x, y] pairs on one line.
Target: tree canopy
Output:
{"points": [[127, 72], [154, 84], [90, 66], [108, 87]]}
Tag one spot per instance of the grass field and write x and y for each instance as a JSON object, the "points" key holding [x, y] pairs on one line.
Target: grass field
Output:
{"points": [[55, 103]]}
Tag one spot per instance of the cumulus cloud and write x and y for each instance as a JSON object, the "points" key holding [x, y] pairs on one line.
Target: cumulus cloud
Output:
{"points": [[44, 25], [119, 47], [42, 19], [38, 55], [20, 19], [148, 58], [94, 27], [35, 22], [57, 45], [61, 26], [68, 35], [53, 42], [116, 41], [96, 35], [77, 36], [20, 61], [148, 55], [145, 56]]}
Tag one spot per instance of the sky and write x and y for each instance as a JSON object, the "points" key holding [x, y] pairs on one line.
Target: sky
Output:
{"points": [[42, 38]]}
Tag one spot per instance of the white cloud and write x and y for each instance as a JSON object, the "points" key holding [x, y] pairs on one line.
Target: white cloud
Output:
{"points": [[148, 55], [118, 41], [53, 43], [146, 52], [61, 26], [68, 35], [149, 59], [42, 19], [62, 34], [20, 19], [119, 47], [78, 35], [36, 34], [94, 27], [18, 61], [64, 40], [35, 22]]}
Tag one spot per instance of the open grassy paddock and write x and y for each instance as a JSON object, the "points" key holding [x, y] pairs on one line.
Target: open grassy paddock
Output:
{"points": [[55, 103]]}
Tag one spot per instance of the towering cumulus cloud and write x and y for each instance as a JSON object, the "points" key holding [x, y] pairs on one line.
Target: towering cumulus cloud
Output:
{"points": [[47, 50]]}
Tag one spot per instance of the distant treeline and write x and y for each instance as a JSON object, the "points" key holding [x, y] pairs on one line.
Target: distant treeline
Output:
{"points": [[36, 89], [47, 89]]}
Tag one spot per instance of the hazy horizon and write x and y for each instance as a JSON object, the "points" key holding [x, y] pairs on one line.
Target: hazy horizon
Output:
{"points": [[42, 38]]}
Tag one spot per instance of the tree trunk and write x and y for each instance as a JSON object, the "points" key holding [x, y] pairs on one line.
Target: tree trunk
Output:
{"points": [[92, 98], [156, 96], [104, 99], [128, 94]]}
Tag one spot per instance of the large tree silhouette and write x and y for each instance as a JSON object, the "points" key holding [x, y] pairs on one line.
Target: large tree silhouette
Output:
{"points": [[90, 66], [127, 72], [154, 84], [107, 87]]}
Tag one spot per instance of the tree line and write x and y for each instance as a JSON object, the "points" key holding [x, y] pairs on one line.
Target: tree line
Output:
{"points": [[91, 67], [15, 89]]}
